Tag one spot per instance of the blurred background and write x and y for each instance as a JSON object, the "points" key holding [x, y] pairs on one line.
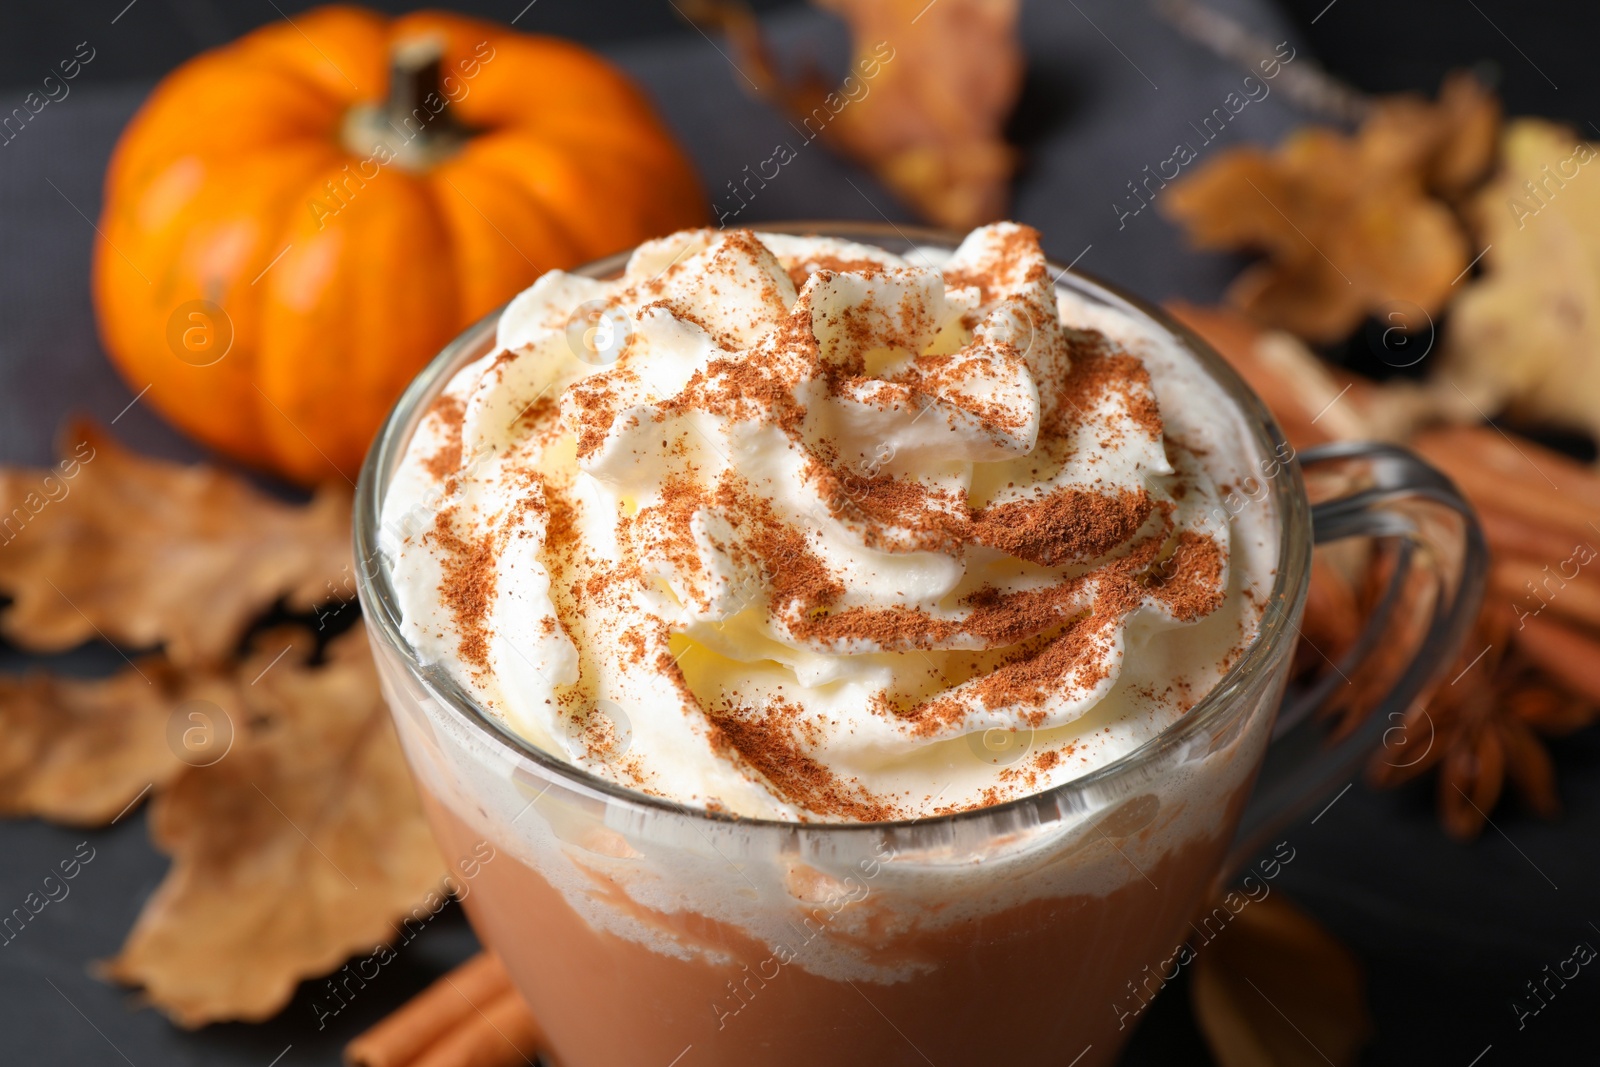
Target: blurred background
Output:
{"points": [[1449, 933], [1535, 51]]}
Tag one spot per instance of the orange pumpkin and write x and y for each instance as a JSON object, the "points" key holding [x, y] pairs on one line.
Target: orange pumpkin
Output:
{"points": [[296, 222]]}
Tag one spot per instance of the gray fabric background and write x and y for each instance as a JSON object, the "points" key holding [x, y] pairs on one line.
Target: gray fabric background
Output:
{"points": [[1448, 933]]}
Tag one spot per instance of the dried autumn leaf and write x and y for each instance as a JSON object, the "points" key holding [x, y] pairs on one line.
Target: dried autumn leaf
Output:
{"points": [[929, 90], [1467, 133], [299, 848], [80, 751], [1527, 334], [1279, 991], [930, 128], [143, 553], [1347, 224], [1450, 142]]}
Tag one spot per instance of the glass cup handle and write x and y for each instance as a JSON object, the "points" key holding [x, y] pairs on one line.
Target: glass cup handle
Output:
{"points": [[1428, 607]]}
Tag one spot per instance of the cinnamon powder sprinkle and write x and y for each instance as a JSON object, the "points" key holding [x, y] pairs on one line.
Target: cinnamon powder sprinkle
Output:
{"points": [[450, 411], [765, 741], [1065, 526], [1015, 249], [1100, 368], [1044, 640], [726, 386], [468, 585], [797, 578], [800, 271]]}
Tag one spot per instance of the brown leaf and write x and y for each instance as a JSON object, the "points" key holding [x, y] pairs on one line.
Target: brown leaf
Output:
{"points": [[1467, 132], [930, 127], [80, 752], [298, 848], [929, 89], [1277, 990], [142, 552], [1450, 143], [1526, 335], [1347, 224]]}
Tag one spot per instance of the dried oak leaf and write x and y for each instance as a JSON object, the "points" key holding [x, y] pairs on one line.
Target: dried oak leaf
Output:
{"points": [[1526, 336], [142, 552], [1451, 141], [929, 90], [1348, 223], [80, 751], [930, 128], [299, 847], [1277, 990]]}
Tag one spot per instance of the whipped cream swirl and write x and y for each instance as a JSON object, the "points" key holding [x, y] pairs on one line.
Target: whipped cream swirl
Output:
{"points": [[815, 531]]}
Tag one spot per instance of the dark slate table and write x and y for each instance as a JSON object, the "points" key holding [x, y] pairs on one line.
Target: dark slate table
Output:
{"points": [[1448, 933]]}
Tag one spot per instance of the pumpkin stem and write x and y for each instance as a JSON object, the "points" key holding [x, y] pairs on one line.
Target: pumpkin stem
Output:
{"points": [[415, 126]]}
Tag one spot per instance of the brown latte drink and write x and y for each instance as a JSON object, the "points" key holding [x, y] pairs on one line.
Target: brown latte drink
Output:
{"points": [[824, 594]]}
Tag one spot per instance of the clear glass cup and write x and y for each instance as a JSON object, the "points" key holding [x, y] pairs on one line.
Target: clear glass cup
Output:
{"points": [[1028, 933]]}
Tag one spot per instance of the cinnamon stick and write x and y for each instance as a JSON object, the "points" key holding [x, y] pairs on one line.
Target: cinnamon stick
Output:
{"points": [[503, 1034], [1512, 535], [1333, 616], [442, 1008], [1534, 588], [1522, 459], [1522, 479], [1566, 653]]}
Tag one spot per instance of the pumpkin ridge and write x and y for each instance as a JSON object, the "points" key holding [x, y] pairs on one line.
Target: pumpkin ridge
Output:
{"points": [[246, 304], [374, 333], [512, 180], [562, 246]]}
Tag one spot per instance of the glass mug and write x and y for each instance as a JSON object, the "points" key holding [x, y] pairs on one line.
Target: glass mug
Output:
{"points": [[1028, 933]]}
